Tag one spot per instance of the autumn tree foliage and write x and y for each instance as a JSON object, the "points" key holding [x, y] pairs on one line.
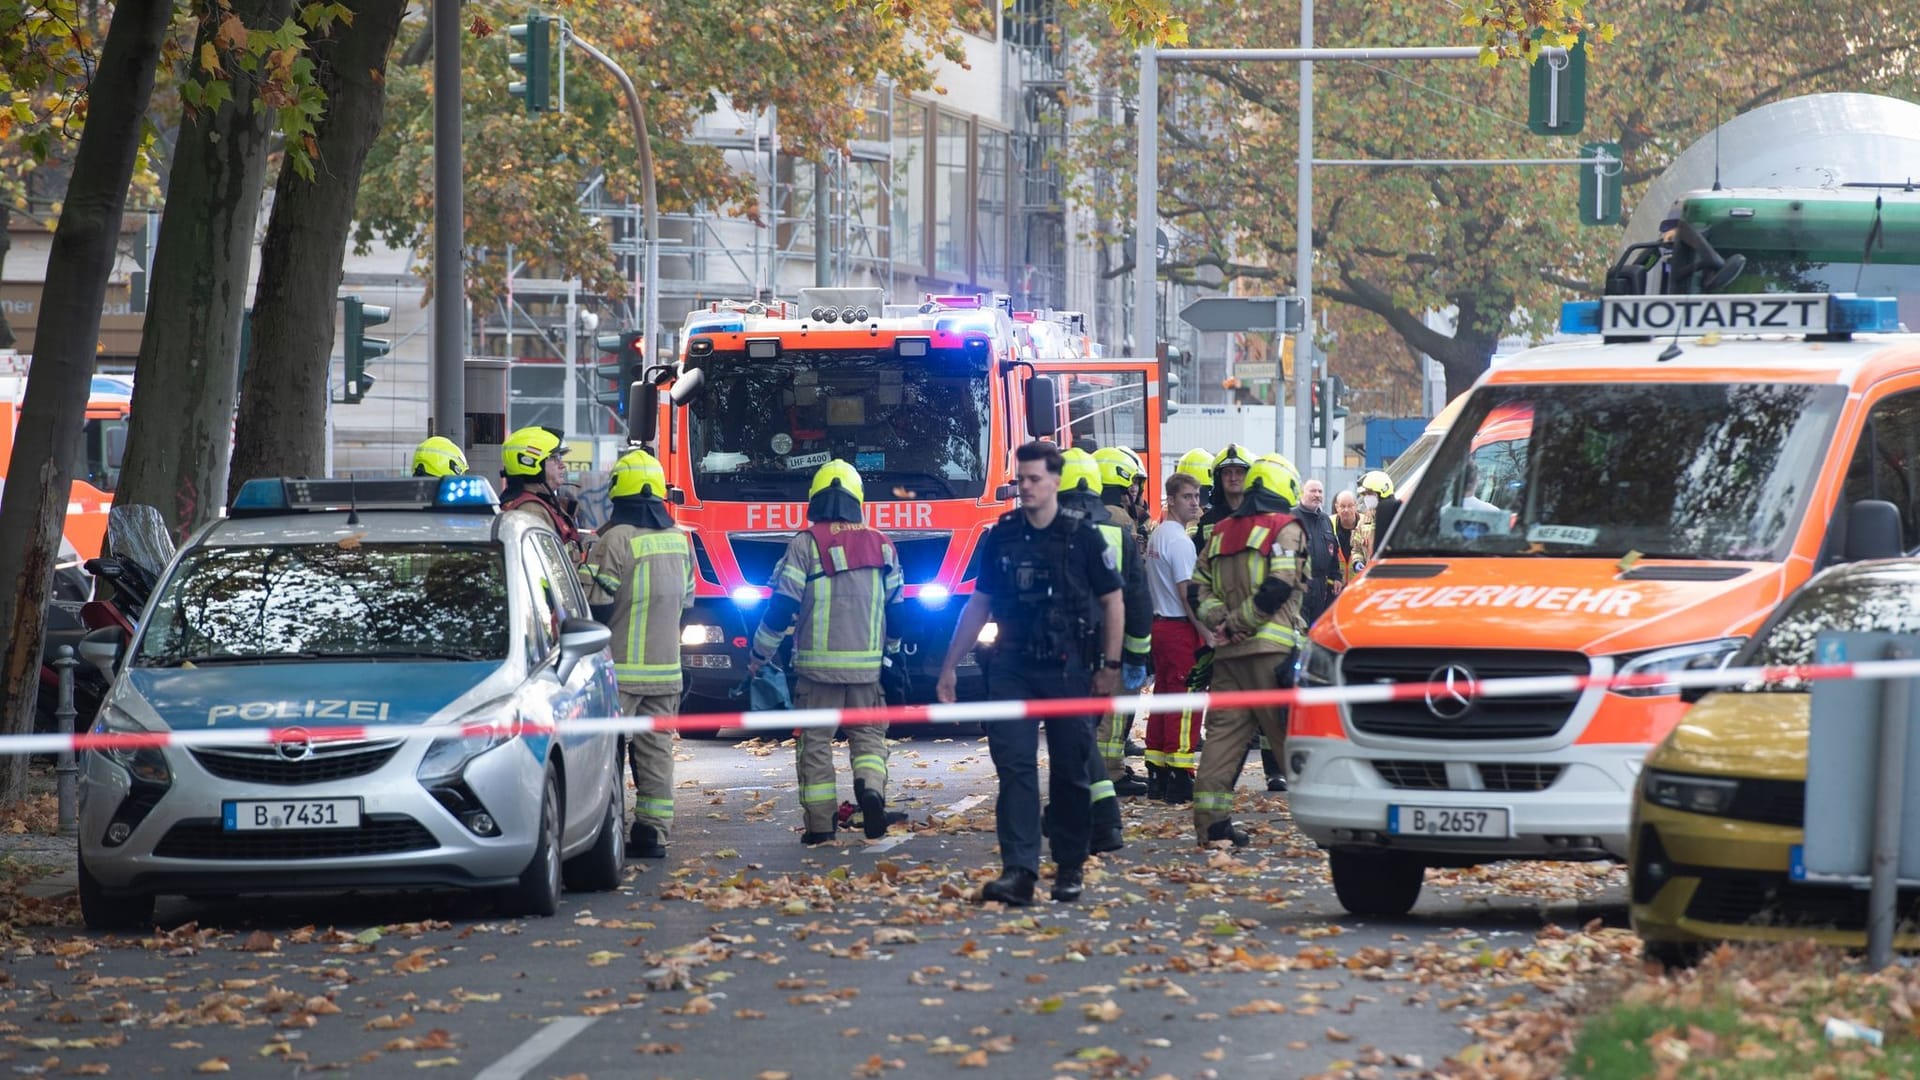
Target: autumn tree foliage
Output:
{"points": [[1496, 248], [805, 58]]}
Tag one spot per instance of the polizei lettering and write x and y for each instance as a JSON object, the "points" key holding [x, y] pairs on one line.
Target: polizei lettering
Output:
{"points": [[341, 709], [793, 516], [1787, 313], [1609, 601]]}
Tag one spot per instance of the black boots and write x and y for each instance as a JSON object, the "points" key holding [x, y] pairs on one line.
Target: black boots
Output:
{"points": [[873, 809], [1068, 883], [1227, 830], [644, 842], [812, 839], [1105, 835], [1129, 784], [1179, 787], [1157, 783], [1276, 780], [1014, 886]]}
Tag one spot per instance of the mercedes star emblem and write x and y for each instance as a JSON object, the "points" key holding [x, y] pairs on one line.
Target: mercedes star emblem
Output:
{"points": [[1449, 693]]}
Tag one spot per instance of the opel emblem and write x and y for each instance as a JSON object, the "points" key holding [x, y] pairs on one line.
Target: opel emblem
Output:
{"points": [[296, 745], [1448, 692]]}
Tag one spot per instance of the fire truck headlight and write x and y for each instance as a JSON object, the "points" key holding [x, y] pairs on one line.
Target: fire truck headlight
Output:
{"points": [[746, 596], [701, 634], [935, 596]]}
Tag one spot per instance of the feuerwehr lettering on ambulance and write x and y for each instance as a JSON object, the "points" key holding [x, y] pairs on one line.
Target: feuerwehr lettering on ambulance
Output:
{"points": [[1607, 601]]}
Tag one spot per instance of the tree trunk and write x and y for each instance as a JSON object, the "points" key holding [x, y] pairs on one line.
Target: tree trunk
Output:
{"points": [[181, 429], [282, 428], [1467, 355], [34, 509], [6, 244]]}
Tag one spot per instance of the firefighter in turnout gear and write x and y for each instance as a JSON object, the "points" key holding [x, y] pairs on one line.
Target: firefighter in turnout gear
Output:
{"points": [[1079, 490], [534, 462], [1248, 588], [1123, 485], [842, 581], [639, 579]]}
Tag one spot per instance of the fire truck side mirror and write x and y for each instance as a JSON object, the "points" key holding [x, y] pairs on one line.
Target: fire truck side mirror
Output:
{"points": [[1003, 492], [677, 496], [643, 412], [1042, 409]]}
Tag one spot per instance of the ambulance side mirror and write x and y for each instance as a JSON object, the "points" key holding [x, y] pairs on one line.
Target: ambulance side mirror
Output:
{"points": [[1873, 531], [1042, 408]]}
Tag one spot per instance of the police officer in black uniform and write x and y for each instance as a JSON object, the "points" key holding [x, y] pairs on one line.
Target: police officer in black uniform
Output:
{"points": [[1050, 581]]}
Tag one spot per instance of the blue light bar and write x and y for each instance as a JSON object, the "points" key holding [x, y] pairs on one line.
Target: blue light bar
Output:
{"points": [[464, 492], [745, 596], [698, 326], [935, 596], [257, 495], [1580, 317], [1863, 315]]}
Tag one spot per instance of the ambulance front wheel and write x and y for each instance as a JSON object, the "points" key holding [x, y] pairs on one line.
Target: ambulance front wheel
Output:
{"points": [[1381, 884]]}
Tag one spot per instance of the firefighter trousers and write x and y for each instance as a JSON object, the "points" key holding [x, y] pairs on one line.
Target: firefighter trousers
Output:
{"points": [[650, 756], [1228, 731], [813, 752]]}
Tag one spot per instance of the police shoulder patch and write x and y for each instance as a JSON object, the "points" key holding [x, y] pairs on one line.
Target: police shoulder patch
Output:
{"points": [[1109, 557]]}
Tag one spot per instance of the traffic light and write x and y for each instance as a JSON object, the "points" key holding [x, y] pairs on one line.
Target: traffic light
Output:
{"points": [[1557, 92], [1600, 184], [358, 350], [1327, 407], [534, 64], [621, 365]]}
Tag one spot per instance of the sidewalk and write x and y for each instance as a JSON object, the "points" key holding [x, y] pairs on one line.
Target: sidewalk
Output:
{"points": [[41, 861]]}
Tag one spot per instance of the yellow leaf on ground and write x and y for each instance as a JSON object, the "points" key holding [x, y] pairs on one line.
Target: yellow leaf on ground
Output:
{"points": [[213, 1065]]}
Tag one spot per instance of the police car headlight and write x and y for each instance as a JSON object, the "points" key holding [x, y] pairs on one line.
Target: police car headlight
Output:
{"points": [[146, 764], [1699, 656], [1319, 666], [485, 728]]}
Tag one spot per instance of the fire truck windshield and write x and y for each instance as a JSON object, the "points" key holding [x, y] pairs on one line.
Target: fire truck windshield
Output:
{"points": [[915, 429]]}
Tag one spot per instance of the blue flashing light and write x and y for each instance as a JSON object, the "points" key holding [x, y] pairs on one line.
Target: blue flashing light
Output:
{"points": [[261, 494], [745, 596], [1580, 317], [1863, 315], [695, 326], [464, 491], [935, 596]]}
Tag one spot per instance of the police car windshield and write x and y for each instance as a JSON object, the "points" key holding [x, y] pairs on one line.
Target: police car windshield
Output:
{"points": [[915, 428], [1665, 470], [307, 602]]}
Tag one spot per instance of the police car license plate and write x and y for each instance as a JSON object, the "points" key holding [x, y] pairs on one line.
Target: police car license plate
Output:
{"points": [[1486, 822], [268, 815]]}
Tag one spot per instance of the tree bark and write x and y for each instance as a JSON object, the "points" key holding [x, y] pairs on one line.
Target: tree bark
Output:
{"points": [[282, 426], [6, 244], [181, 429], [33, 510]]}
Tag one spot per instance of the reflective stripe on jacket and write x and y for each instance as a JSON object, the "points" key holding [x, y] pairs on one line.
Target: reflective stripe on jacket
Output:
{"points": [[647, 577], [840, 630], [1227, 582]]}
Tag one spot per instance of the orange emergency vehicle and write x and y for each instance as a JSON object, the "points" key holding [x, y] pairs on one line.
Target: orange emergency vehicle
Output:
{"points": [[927, 401], [1630, 504], [97, 472]]}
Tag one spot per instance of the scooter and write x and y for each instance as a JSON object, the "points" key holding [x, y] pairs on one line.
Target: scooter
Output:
{"points": [[140, 549]]}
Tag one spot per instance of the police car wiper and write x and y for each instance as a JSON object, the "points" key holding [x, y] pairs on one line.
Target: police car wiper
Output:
{"points": [[209, 659], [410, 654]]}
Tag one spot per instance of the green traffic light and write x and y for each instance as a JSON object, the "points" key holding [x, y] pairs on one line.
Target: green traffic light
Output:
{"points": [[534, 63]]}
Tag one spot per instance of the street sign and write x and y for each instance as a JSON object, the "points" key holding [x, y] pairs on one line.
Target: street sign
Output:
{"points": [[1600, 184], [1235, 313]]}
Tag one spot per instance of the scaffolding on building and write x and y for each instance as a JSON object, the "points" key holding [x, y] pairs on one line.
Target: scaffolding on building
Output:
{"points": [[1039, 66]]}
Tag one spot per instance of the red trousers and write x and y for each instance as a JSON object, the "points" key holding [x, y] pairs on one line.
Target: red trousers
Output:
{"points": [[1173, 739]]}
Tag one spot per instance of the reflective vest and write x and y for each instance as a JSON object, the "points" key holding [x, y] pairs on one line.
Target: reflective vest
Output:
{"points": [[646, 575], [1241, 554], [842, 576]]}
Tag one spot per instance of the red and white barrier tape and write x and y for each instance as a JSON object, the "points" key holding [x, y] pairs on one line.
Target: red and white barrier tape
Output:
{"points": [[968, 711]]}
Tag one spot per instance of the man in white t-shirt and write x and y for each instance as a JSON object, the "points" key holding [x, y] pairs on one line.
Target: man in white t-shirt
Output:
{"points": [[1173, 739]]}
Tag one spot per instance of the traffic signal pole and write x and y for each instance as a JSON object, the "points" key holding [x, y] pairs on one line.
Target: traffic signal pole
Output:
{"points": [[447, 382], [1147, 201]]}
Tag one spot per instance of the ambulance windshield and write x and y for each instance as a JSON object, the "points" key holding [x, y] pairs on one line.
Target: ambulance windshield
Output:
{"points": [[914, 429], [1664, 470]]}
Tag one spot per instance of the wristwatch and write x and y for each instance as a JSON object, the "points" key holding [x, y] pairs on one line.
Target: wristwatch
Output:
{"points": [[1109, 665]]}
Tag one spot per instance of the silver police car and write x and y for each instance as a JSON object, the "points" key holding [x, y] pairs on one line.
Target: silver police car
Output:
{"points": [[380, 604]]}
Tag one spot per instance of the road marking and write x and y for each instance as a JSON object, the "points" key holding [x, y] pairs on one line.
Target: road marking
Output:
{"points": [[960, 807], [542, 1045]]}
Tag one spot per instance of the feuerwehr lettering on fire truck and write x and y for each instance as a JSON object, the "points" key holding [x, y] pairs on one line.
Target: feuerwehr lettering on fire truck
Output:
{"points": [[1608, 601], [895, 515]]}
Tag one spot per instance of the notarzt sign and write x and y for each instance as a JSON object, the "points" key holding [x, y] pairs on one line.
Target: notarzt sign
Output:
{"points": [[1781, 313]]}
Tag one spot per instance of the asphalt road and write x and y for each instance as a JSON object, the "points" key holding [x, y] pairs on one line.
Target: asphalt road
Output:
{"points": [[747, 955]]}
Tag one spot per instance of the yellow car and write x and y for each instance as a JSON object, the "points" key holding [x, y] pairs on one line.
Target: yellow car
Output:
{"points": [[1719, 813]]}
